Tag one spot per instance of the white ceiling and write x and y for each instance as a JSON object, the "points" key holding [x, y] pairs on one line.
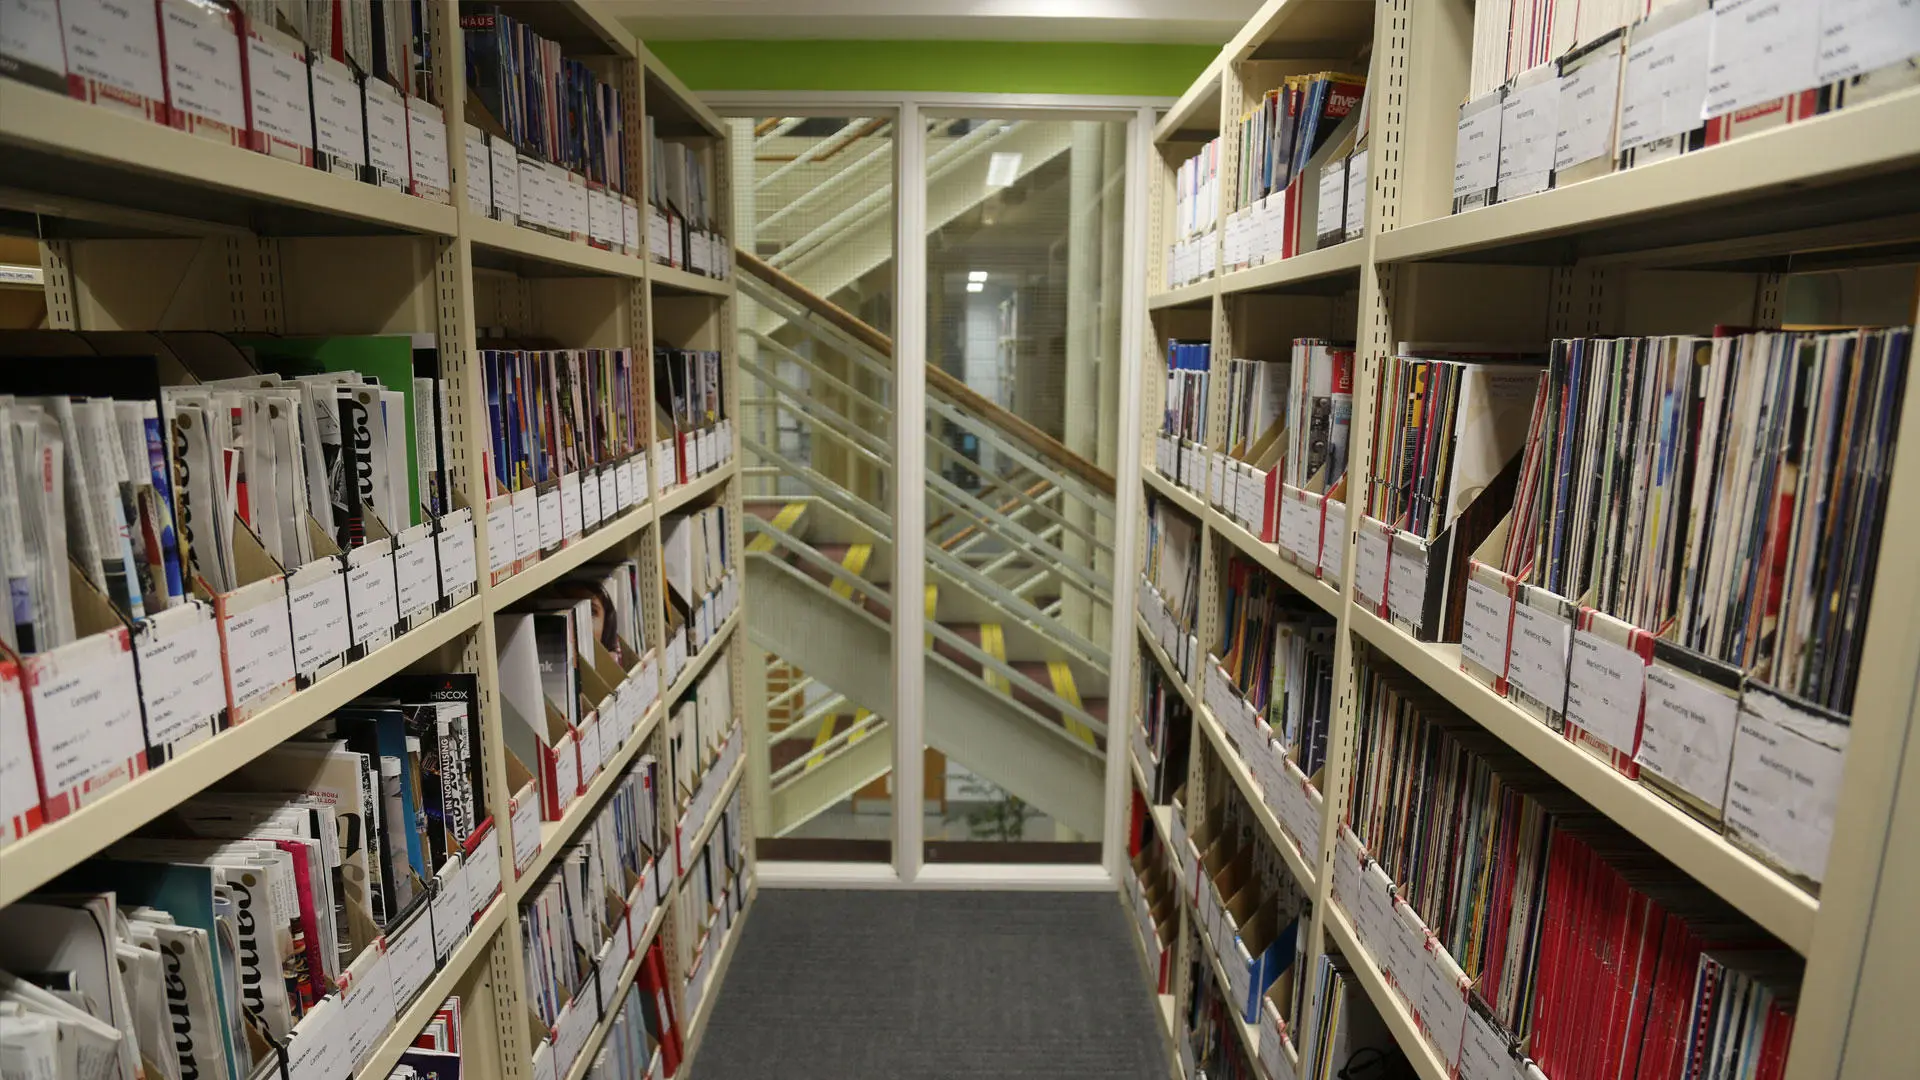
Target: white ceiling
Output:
{"points": [[1210, 22]]}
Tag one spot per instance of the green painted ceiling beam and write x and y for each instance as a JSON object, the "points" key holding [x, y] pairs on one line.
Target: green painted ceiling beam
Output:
{"points": [[980, 67]]}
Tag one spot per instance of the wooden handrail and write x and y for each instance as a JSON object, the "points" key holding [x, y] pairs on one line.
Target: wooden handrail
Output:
{"points": [[938, 380]]}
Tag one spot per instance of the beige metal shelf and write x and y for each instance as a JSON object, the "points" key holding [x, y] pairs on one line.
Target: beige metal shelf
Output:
{"points": [[537, 254], [1243, 779], [555, 835], [627, 975], [1174, 493], [1196, 294], [1160, 657], [676, 497], [575, 555], [1752, 194], [679, 100], [1198, 110], [671, 280], [399, 1038], [716, 809], [1249, 1033], [1332, 268], [1290, 29], [697, 1026], [1327, 596], [1394, 1011], [1783, 908], [58, 846], [70, 159]]}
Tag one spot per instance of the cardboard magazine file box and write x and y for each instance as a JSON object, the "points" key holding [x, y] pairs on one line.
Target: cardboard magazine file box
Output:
{"points": [[526, 526], [389, 158], [660, 230], [1486, 617], [1275, 1046], [642, 902], [1373, 549], [1687, 731], [602, 680], [1649, 130], [603, 217], [1186, 855], [550, 522], [128, 78], [416, 575], [503, 167], [279, 94], [1537, 653], [1426, 577], [1259, 950], [1784, 781], [607, 481], [523, 817], [632, 240], [428, 155], [666, 470], [373, 597], [499, 538], [1589, 109], [339, 118], [182, 679], [38, 59], [476, 171], [590, 510], [1606, 688], [1333, 535], [206, 88], [82, 710], [20, 802], [456, 552], [256, 629], [538, 739], [1299, 534]]}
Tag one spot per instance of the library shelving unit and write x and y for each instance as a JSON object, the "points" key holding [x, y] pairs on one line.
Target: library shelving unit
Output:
{"points": [[146, 228], [1711, 238]]}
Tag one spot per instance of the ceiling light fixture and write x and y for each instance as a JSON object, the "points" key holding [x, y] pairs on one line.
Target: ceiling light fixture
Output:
{"points": [[976, 286], [976, 275]]}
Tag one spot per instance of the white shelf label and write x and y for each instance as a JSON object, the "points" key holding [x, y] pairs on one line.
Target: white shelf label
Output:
{"points": [[1784, 783], [30, 34], [1665, 87], [89, 685], [1330, 216], [458, 563], [552, 523], [1858, 36], [410, 958], [500, 545], [1407, 586], [504, 163], [372, 598], [1588, 98], [1476, 150], [1688, 734], [526, 828], [526, 527], [180, 676], [1483, 1051], [1537, 655], [1604, 685], [339, 112], [477, 171], [117, 44], [1370, 565], [387, 133], [259, 650], [320, 626], [416, 578], [281, 98], [1483, 631], [427, 145], [1529, 126], [1760, 50], [450, 914], [203, 62]]}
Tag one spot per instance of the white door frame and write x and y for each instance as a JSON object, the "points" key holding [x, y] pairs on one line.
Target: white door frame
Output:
{"points": [[909, 111]]}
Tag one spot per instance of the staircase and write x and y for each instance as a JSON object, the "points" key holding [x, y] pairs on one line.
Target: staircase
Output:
{"points": [[1018, 578]]}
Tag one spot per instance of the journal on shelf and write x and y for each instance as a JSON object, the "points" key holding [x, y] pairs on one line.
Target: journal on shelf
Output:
{"points": [[192, 525], [279, 920], [1682, 587], [585, 920], [1293, 149], [1563, 92], [546, 139], [321, 84], [1583, 949]]}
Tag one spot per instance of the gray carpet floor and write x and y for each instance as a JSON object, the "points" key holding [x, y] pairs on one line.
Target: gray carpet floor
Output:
{"points": [[932, 986]]}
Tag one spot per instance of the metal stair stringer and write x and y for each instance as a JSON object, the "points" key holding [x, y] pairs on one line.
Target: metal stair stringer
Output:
{"points": [[965, 718], [800, 798]]}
